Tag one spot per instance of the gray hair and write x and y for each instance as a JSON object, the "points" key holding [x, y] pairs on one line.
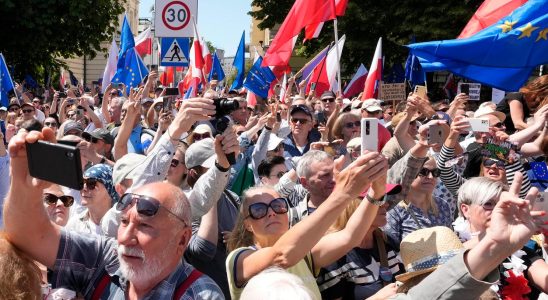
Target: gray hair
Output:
{"points": [[181, 206], [312, 156], [479, 190], [276, 283]]}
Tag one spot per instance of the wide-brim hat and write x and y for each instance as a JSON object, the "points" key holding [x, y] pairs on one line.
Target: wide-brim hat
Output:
{"points": [[487, 110], [424, 250]]}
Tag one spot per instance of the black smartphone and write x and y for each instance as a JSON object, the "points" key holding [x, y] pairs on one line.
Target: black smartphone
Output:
{"points": [[278, 117], [56, 163], [465, 88], [172, 92], [154, 68], [62, 95], [167, 104]]}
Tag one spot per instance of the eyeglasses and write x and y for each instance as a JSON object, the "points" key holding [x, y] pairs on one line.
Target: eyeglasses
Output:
{"points": [[388, 113], [279, 174], [71, 115], [158, 107], [146, 206], [488, 163], [90, 183], [260, 210], [51, 199], [50, 124], [28, 111], [45, 106], [198, 136], [14, 109], [301, 121], [499, 125], [352, 124], [424, 172], [175, 163], [328, 100], [489, 204]]}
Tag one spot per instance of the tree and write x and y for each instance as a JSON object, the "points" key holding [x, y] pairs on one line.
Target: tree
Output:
{"points": [[37, 33], [367, 20]]}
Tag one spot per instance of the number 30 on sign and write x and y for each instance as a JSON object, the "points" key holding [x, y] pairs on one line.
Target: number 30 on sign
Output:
{"points": [[173, 18]]}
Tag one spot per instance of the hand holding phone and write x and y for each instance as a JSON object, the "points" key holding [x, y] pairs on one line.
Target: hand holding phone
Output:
{"points": [[167, 104], [478, 125], [435, 134], [172, 92], [421, 91], [370, 134], [465, 88]]}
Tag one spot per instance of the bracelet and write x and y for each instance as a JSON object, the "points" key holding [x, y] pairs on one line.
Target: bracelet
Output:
{"points": [[170, 137], [221, 168], [267, 128], [376, 202]]}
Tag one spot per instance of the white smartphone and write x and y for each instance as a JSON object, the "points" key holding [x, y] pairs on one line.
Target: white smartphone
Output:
{"points": [[370, 134], [542, 202], [478, 125], [435, 134]]}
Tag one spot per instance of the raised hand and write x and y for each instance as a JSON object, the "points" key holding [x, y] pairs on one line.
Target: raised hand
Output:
{"points": [[361, 173]]}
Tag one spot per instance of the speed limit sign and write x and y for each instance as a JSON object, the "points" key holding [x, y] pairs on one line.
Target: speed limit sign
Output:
{"points": [[173, 18]]}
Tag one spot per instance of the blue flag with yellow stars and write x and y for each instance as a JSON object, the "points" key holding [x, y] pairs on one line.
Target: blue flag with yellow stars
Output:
{"points": [[259, 78], [130, 68], [239, 64], [6, 84], [216, 70], [502, 55]]}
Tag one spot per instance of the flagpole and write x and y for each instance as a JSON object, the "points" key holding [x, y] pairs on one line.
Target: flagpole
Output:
{"points": [[338, 54], [321, 68]]}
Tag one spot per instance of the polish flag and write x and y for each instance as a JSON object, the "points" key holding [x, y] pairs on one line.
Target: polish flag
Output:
{"points": [[283, 89], [143, 42], [166, 78], [208, 59], [490, 12], [302, 14], [111, 66], [312, 31], [62, 79], [356, 84], [196, 63], [374, 76], [325, 74]]}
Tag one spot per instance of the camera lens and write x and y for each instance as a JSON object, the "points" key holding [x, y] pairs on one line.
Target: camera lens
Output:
{"points": [[225, 106]]}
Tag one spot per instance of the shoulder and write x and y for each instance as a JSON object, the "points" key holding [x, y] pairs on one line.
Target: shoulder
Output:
{"points": [[203, 288]]}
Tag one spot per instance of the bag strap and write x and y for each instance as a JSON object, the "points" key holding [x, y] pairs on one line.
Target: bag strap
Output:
{"points": [[379, 240], [100, 289], [183, 287]]}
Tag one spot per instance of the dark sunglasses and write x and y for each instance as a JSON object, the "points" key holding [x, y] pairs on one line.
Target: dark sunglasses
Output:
{"points": [[489, 205], [158, 107], [352, 124], [302, 121], [175, 163], [424, 172], [488, 163], [51, 199], [90, 183], [202, 136], [50, 124], [13, 109], [328, 100], [279, 174], [146, 206], [45, 106], [28, 111], [91, 139], [260, 210], [499, 125]]}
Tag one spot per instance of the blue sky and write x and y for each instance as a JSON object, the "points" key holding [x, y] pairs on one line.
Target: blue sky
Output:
{"points": [[219, 21]]}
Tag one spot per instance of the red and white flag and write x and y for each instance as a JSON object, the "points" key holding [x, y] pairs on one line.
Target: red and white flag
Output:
{"points": [[325, 74], [62, 79], [312, 31], [111, 66], [208, 59], [356, 84], [196, 63], [303, 13], [283, 89], [374, 76], [143, 42]]}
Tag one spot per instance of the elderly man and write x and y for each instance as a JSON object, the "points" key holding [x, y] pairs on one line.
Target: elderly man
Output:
{"points": [[144, 263], [302, 135]]}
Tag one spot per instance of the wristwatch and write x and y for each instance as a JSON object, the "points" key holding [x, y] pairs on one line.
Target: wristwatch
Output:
{"points": [[376, 202]]}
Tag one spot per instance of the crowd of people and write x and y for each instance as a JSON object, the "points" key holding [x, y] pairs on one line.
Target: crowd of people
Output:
{"points": [[211, 198]]}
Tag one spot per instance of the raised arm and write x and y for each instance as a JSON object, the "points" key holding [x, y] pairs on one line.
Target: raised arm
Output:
{"points": [[105, 103], [91, 114], [133, 107], [448, 175], [26, 222], [523, 136], [516, 113]]}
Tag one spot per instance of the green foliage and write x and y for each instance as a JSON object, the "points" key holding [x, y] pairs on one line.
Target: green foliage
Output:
{"points": [[36, 33], [367, 20]]}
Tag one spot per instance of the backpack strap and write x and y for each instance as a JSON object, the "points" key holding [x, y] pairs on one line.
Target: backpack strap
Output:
{"points": [[194, 275], [100, 289]]}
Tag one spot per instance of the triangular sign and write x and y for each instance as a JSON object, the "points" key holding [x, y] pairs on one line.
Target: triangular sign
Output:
{"points": [[174, 53]]}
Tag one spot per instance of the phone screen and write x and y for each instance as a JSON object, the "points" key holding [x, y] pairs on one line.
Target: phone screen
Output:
{"points": [[465, 88]]}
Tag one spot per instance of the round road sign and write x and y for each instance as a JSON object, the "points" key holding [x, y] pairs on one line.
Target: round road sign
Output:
{"points": [[176, 15]]}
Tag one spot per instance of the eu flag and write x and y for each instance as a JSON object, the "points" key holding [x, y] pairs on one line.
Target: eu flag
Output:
{"points": [[130, 68], [413, 70], [6, 84], [216, 70], [502, 55], [259, 78], [239, 63]]}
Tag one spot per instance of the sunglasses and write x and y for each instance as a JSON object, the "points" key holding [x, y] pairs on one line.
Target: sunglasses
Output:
{"points": [[202, 136], [301, 121], [45, 107], [13, 109], [91, 139], [28, 111], [71, 115], [328, 100], [389, 113], [260, 210], [51, 199], [146, 206], [279, 174], [488, 163], [90, 183], [352, 124], [424, 172], [499, 125], [158, 107], [50, 124], [175, 163], [489, 205]]}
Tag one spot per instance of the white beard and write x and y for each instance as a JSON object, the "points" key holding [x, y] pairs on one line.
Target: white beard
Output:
{"points": [[149, 269]]}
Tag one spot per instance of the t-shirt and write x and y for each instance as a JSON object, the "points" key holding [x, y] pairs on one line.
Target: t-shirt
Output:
{"points": [[301, 270], [504, 107]]}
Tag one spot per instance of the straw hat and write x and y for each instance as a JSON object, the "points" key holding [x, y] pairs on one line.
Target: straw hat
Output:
{"points": [[399, 116], [423, 250]]}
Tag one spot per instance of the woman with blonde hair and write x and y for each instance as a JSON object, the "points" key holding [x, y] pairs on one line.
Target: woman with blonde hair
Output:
{"points": [[346, 127], [262, 238]]}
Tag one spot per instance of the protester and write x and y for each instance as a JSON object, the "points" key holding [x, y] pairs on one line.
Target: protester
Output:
{"points": [[301, 136]]}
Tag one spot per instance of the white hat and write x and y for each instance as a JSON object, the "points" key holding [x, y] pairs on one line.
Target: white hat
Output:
{"points": [[372, 105], [273, 141], [488, 110], [201, 153], [202, 128], [3, 108]]}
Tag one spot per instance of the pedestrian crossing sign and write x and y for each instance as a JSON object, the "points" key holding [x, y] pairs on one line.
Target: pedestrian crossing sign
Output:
{"points": [[174, 52]]}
